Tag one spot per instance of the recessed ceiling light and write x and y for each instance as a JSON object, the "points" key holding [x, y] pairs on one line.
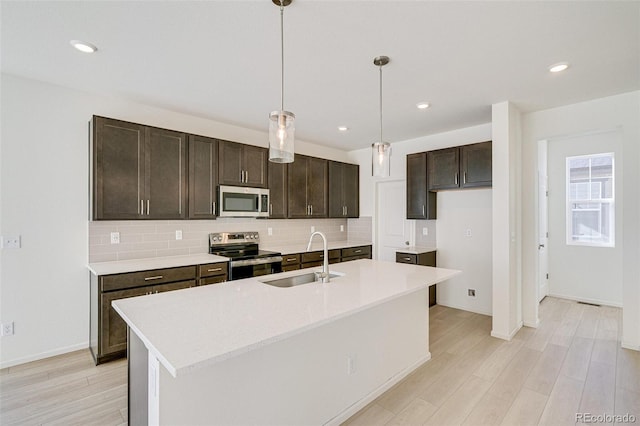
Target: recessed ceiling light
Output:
{"points": [[559, 67], [423, 105], [83, 46], [343, 128]]}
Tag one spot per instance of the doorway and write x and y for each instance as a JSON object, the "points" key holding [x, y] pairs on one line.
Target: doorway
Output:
{"points": [[393, 230]]}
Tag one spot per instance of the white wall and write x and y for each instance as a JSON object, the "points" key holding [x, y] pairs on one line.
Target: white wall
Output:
{"points": [[459, 212], [44, 186], [506, 203], [622, 112], [449, 253], [588, 274]]}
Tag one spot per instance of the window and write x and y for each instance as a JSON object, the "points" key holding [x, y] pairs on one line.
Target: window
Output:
{"points": [[590, 200]]}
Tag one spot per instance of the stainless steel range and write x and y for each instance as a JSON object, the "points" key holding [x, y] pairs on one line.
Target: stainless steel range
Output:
{"points": [[247, 260]]}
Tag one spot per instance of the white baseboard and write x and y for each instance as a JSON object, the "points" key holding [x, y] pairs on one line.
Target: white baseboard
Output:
{"points": [[342, 417], [532, 324], [509, 336], [586, 300], [626, 345], [42, 355]]}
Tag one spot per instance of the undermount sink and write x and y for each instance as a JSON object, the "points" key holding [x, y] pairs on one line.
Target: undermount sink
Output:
{"points": [[295, 280]]}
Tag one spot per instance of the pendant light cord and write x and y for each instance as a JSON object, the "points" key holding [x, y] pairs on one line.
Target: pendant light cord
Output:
{"points": [[380, 66], [281, 55]]}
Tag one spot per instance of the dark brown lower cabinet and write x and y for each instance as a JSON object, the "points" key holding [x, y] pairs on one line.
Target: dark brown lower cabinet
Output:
{"points": [[108, 331], [424, 259]]}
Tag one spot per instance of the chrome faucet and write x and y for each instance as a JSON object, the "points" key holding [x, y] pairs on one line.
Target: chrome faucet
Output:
{"points": [[324, 275]]}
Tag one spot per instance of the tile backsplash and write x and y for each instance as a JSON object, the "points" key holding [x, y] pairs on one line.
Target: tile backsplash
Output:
{"points": [[144, 239], [422, 240], [360, 229]]}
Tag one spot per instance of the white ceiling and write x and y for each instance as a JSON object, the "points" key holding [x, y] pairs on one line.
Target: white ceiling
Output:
{"points": [[221, 59]]}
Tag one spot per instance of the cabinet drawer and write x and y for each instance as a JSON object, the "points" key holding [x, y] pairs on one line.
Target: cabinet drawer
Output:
{"points": [[290, 259], [406, 258], [362, 252], [312, 256], [312, 264], [138, 279], [213, 269], [293, 267], [173, 286], [212, 280]]}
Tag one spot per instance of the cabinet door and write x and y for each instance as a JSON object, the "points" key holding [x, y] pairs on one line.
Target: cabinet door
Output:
{"points": [[254, 162], [118, 173], [443, 168], [203, 177], [230, 171], [351, 189], [161, 288], [277, 190], [317, 190], [166, 179], [476, 165], [113, 329], [417, 186], [336, 189], [297, 205]]}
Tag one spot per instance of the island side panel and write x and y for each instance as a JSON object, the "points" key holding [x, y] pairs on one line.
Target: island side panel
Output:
{"points": [[319, 376]]}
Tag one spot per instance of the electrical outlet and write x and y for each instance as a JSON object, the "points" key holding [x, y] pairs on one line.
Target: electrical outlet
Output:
{"points": [[425, 231], [115, 238], [178, 234], [7, 329], [467, 233], [313, 229], [269, 231], [11, 242], [341, 228], [471, 292]]}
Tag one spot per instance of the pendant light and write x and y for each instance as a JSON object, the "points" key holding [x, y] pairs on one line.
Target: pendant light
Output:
{"points": [[281, 123], [381, 151]]}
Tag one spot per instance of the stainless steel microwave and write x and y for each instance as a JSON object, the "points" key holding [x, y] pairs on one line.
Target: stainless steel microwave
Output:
{"points": [[238, 201]]}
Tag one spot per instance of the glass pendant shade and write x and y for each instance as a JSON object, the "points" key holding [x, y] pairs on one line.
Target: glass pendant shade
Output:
{"points": [[381, 159], [281, 136]]}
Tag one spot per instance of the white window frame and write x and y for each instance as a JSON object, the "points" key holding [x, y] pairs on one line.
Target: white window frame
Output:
{"points": [[570, 201]]}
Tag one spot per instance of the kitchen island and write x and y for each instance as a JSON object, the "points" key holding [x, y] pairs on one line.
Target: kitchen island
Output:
{"points": [[245, 352]]}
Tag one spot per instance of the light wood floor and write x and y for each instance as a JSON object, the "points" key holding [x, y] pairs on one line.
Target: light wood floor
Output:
{"points": [[572, 363]]}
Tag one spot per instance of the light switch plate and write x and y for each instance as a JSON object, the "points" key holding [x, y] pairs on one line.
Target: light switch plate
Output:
{"points": [[178, 234], [425, 231], [115, 238]]}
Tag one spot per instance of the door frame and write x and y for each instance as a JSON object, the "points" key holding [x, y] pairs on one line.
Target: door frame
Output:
{"points": [[542, 220]]}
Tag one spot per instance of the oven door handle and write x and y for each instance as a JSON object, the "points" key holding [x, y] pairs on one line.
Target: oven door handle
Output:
{"points": [[259, 261]]}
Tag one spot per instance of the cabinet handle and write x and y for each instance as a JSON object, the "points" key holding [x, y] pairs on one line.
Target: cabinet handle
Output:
{"points": [[156, 277], [464, 177], [308, 209], [346, 210], [311, 209], [270, 209], [423, 210], [456, 178], [358, 251], [246, 177], [214, 270], [141, 207], [406, 258], [147, 207], [292, 259]]}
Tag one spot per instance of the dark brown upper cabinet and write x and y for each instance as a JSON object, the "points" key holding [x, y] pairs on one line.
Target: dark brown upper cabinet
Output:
{"points": [[278, 197], [203, 177], [421, 203], [476, 165], [242, 165], [344, 189], [139, 172], [307, 187], [466, 166]]}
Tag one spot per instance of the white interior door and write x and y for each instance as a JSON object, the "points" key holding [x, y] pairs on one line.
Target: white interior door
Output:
{"points": [[393, 230], [543, 221]]}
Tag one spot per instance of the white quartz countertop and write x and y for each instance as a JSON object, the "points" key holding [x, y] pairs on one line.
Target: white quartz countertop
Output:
{"points": [[415, 249], [317, 245], [135, 265], [192, 328]]}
